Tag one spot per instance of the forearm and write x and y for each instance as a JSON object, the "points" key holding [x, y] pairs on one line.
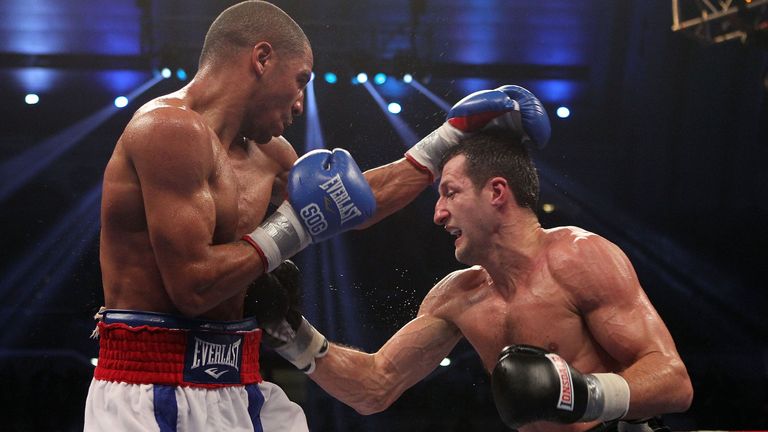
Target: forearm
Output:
{"points": [[658, 384], [394, 186], [221, 273], [358, 379]]}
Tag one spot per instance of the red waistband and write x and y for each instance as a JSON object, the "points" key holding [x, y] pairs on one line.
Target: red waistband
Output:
{"points": [[154, 355]]}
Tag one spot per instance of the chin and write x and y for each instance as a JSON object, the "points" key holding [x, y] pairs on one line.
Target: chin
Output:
{"points": [[465, 257], [262, 139], [462, 257]]}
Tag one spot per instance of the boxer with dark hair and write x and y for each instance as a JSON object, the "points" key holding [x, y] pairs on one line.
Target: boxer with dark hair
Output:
{"points": [[557, 316]]}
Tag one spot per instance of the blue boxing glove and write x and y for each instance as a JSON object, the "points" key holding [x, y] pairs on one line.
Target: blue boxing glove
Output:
{"points": [[534, 120], [327, 195], [470, 114], [501, 108]]}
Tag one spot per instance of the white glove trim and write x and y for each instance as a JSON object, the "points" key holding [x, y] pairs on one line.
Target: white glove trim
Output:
{"points": [[429, 152], [302, 346], [611, 400], [280, 236]]}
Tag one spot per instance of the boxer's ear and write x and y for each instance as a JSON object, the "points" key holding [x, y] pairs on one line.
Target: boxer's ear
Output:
{"points": [[261, 54], [499, 190]]}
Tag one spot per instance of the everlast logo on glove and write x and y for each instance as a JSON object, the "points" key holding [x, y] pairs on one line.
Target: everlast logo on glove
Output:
{"points": [[565, 401], [338, 193], [213, 358]]}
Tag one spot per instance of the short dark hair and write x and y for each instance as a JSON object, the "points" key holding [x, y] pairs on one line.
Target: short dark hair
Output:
{"points": [[498, 154], [247, 23]]}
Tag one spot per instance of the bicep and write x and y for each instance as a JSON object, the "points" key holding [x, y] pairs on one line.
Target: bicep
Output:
{"points": [[394, 185], [173, 170], [630, 330], [283, 156], [619, 314], [417, 349]]}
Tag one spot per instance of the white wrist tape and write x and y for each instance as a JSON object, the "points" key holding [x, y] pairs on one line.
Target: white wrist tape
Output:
{"points": [[301, 346], [280, 236], [608, 397], [430, 150]]}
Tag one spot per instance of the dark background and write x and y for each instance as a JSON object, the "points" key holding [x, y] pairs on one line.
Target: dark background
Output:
{"points": [[664, 153]]}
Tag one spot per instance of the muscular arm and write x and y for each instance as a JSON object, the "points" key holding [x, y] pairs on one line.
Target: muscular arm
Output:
{"points": [[283, 154], [369, 383], [172, 153], [394, 186], [625, 324]]}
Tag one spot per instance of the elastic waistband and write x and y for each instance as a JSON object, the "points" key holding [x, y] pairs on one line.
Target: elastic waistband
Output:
{"points": [[155, 319], [137, 348]]}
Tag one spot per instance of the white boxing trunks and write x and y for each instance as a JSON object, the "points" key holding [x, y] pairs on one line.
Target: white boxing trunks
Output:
{"points": [[158, 372]]}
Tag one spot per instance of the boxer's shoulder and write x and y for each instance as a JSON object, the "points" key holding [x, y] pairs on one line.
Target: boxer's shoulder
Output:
{"points": [[161, 132], [590, 267], [462, 280], [168, 115], [571, 247], [454, 288], [279, 151]]}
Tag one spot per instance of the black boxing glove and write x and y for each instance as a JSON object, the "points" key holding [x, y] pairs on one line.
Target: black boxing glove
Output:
{"points": [[275, 296], [530, 384], [275, 299]]}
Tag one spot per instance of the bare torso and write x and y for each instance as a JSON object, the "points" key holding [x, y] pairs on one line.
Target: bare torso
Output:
{"points": [[539, 311], [241, 185]]}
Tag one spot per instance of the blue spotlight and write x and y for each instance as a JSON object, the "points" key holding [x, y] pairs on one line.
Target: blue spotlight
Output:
{"points": [[181, 74], [407, 135], [445, 106], [165, 73], [380, 78], [121, 101], [407, 78], [331, 78], [361, 78], [31, 99], [19, 170], [394, 108], [563, 112]]}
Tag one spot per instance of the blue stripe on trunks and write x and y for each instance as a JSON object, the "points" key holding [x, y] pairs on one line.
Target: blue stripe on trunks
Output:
{"points": [[255, 402], [166, 411]]}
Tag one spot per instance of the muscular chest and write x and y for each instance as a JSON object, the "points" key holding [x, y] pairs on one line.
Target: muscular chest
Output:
{"points": [[242, 190], [544, 319]]}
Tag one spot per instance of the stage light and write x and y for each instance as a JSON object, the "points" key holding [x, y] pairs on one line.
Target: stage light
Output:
{"points": [[380, 78], [362, 77], [407, 78], [331, 78], [548, 208], [563, 112], [445, 362], [121, 101], [31, 99], [95, 361], [165, 73], [394, 108], [181, 74]]}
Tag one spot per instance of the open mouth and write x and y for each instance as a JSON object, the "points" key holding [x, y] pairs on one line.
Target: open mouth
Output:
{"points": [[454, 232]]}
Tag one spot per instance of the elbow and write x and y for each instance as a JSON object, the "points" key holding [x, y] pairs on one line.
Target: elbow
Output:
{"points": [[373, 405], [188, 302], [379, 394], [190, 310], [683, 396]]}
